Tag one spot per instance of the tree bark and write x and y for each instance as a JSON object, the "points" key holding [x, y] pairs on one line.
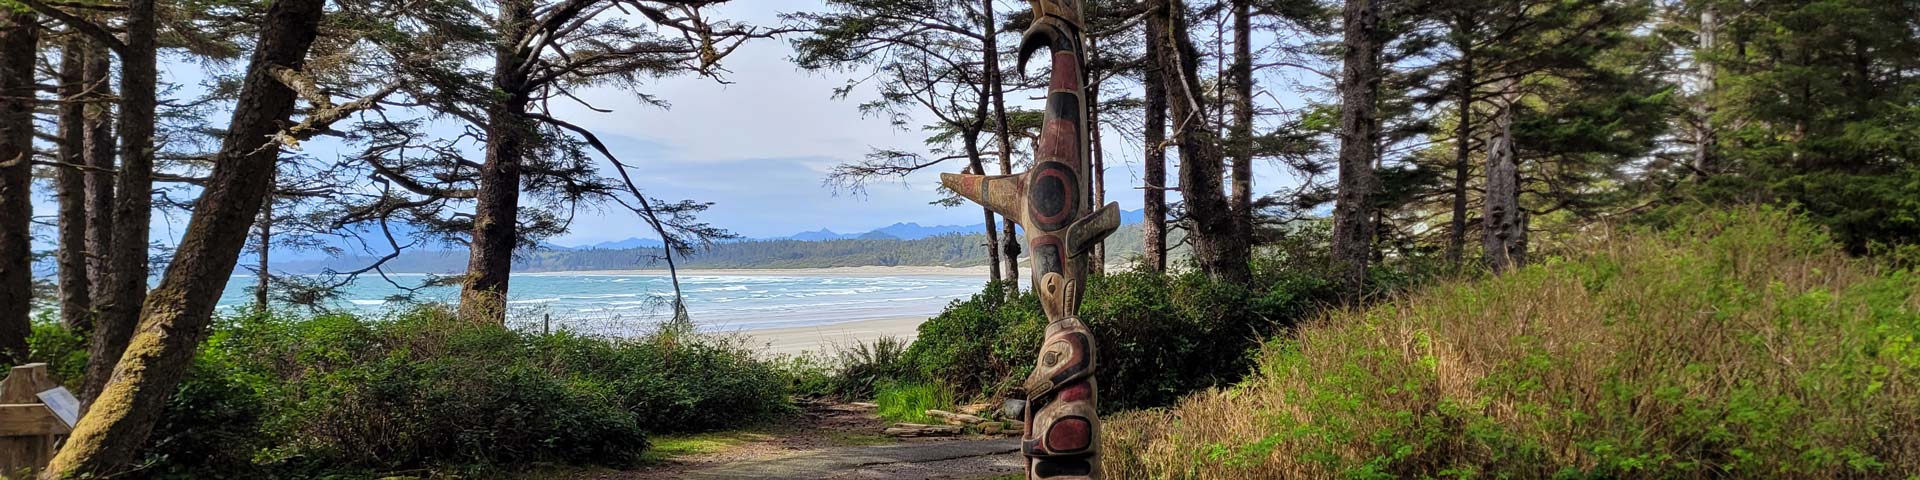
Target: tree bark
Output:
{"points": [[176, 316], [1359, 91], [972, 140], [1709, 136], [1506, 223], [19, 37], [1154, 175], [263, 278], [98, 154], [1217, 247], [126, 286], [1462, 147], [1097, 262], [483, 298], [990, 55], [70, 186], [1242, 72]]}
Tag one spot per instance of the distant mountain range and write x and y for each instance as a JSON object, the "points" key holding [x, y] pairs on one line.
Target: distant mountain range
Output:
{"points": [[897, 231]]}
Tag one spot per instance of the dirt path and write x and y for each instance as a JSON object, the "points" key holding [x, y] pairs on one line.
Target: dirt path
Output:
{"points": [[825, 442]]}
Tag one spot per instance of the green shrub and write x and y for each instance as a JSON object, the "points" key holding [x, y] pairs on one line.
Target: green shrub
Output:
{"points": [[863, 367], [1731, 344], [1160, 335], [909, 402], [337, 396]]}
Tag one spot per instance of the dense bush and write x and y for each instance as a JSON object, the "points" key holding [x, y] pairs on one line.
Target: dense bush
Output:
{"points": [[343, 397], [1160, 335], [1729, 345]]}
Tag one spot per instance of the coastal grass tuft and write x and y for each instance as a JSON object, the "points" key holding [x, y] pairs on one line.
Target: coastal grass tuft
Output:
{"points": [[909, 401], [1736, 344]]}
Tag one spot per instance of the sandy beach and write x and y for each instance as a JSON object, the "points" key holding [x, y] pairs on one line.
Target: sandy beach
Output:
{"points": [[825, 339]]}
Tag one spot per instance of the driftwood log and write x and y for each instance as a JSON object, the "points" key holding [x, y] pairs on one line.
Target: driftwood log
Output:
{"points": [[1054, 202]]}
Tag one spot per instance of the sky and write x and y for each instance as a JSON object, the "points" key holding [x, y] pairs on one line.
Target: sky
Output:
{"points": [[758, 146]]}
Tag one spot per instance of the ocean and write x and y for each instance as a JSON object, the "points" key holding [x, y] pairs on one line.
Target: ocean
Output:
{"points": [[631, 304]]}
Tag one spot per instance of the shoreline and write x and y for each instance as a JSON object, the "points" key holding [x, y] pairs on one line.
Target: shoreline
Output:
{"points": [[979, 271], [828, 338]]}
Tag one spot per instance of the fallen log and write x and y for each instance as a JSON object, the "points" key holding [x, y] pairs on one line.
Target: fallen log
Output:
{"points": [[955, 418], [919, 430]]}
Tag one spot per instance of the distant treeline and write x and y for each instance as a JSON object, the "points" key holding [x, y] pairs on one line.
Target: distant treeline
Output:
{"points": [[953, 250]]}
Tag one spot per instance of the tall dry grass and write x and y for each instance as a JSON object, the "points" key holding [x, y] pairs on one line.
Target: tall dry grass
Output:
{"points": [[1736, 345]]}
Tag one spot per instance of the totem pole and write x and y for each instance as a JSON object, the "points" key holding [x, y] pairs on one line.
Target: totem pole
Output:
{"points": [[1054, 204]]}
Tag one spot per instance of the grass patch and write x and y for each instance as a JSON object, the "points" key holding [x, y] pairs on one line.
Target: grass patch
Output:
{"points": [[1731, 345], [909, 402], [666, 447]]}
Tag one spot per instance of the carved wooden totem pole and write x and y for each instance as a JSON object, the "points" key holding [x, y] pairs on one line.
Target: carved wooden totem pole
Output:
{"points": [[1053, 202]]}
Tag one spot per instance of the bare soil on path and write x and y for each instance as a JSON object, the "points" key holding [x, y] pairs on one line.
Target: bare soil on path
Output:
{"points": [[823, 442]]}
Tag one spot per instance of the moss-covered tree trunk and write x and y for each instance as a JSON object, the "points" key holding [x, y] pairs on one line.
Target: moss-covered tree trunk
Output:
{"points": [[483, 298], [176, 315], [19, 36]]}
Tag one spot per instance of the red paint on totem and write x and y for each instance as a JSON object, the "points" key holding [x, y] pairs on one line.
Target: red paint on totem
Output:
{"points": [[1069, 435], [1077, 392], [1057, 140], [1066, 72]]}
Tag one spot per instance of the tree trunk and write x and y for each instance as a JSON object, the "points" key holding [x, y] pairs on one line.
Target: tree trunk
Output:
{"points": [[1154, 175], [176, 316], [1462, 150], [262, 278], [1359, 91], [1097, 261], [1242, 72], [990, 55], [1709, 136], [1506, 224], [972, 140], [483, 298], [70, 185], [126, 286], [98, 153], [19, 36], [1217, 247]]}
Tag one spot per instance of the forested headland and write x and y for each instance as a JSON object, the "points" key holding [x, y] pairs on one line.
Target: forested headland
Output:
{"points": [[1381, 238]]}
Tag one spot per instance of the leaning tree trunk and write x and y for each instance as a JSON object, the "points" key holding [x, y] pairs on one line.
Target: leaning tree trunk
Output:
{"points": [[1217, 247], [1062, 438], [19, 36], [176, 316], [70, 186], [1154, 174], [483, 298], [1242, 134], [1359, 91], [126, 286], [1506, 223]]}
